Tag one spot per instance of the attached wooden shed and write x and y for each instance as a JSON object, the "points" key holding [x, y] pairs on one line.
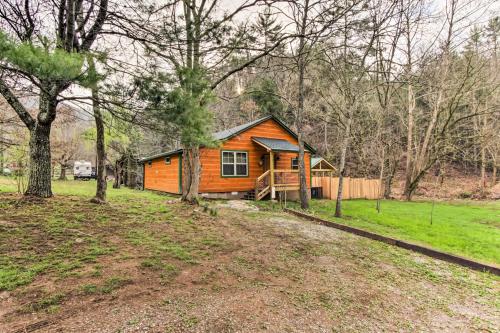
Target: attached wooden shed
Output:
{"points": [[321, 167]]}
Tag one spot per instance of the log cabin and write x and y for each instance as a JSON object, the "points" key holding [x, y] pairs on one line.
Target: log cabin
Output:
{"points": [[255, 160]]}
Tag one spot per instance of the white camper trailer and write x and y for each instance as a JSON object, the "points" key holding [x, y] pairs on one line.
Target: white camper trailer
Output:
{"points": [[82, 170]]}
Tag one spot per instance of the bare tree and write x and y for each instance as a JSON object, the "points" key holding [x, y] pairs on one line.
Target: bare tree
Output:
{"points": [[347, 64]]}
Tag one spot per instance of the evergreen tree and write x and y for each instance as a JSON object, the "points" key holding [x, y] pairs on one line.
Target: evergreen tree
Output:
{"points": [[51, 62]]}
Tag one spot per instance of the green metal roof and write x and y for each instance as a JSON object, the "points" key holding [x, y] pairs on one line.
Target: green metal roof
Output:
{"points": [[315, 160], [165, 154], [276, 144], [231, 132]]}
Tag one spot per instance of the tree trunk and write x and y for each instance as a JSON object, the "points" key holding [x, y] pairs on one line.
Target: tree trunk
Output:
{"points": [[100, 195], [380, 179], [494, 175], [343, 153], [495, 167], [62, 175], [186, 173], [303, 192], [192, 168], [409, 143], [414, 184], [325, 138], [1, 152], [118, 175], [131, 171], [483, 169], [388, 180], [39, 183]]}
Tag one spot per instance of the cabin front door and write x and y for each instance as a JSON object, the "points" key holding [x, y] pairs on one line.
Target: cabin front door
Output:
{"points": [[266, 163]]}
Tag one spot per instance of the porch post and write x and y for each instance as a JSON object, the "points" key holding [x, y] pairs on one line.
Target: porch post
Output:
{"points": [[271, 171]]}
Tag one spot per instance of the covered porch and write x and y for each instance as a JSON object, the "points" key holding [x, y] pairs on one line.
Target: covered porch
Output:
{"points": [[274, 179]]}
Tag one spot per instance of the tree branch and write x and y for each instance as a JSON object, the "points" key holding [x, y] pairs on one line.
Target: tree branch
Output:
{"points": [[16, 105]]}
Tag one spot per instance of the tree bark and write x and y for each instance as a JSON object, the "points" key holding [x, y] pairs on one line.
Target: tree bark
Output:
{"points": [[1, 152], [192, 171], [494, 175], [483, 169], [303, 191], [409, 143], [118, 175], [343, 153], [39, 183], [380, 179], [494, 170], [62, 175], [389, 179], [100, 195]]}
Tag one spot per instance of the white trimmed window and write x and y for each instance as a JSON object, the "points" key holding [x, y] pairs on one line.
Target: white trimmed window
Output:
{"points": [[234, 164], [295, 163]]}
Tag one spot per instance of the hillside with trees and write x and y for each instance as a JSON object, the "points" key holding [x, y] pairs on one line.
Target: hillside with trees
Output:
{"points": [[394, 90]]}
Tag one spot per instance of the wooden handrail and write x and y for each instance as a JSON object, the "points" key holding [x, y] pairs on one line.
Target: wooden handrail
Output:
{"points": [[263, 193], [265, 174], [285, 170]]}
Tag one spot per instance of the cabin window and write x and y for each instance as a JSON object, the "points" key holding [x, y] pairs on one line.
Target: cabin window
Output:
{"points": [[167, 160], [295, 163], [234, 163]]}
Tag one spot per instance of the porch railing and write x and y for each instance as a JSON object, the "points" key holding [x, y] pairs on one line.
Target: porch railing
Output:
{"points": [[286, 177], [283, 179]]}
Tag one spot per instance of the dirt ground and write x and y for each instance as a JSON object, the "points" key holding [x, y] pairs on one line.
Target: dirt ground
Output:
{"points": [[173, 268]]}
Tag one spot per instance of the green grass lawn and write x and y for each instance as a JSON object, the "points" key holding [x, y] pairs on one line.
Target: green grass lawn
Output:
{"points": [[86, 189], [466, 228]]}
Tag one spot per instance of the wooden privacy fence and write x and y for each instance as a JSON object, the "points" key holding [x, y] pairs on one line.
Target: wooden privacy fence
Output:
{"points": [[353, 188]]}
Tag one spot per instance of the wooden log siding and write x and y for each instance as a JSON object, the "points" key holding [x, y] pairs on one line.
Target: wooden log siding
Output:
{"points": [[211, 179], [160, 176]]}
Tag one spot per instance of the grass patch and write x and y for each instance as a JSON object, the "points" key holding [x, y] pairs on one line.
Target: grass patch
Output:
{"points": [[12, 277], [108, 286], [89, 289], [467, 229], [49, 303], [113, 283]]}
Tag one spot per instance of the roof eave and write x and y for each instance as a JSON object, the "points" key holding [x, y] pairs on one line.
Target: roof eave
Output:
{"points": [[246, 128], [323, 160], [152, 157]]}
